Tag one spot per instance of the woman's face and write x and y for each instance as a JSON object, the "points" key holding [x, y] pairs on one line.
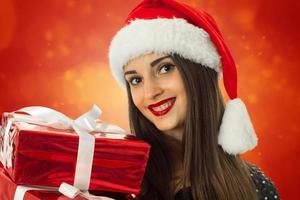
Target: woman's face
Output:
{"points": [[158, 91]]}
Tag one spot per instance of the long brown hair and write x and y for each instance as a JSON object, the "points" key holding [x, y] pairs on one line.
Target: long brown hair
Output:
{"points": [[209, 172]]}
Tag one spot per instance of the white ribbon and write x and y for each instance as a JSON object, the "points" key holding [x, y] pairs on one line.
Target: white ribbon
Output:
{"points": [[21, 191], [71, 192], [83, 125]]}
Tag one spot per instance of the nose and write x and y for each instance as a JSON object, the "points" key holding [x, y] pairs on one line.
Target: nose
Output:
{"points": [[152, 89]]}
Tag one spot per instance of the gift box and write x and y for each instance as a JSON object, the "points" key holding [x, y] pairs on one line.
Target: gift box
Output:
{"points": [[8, 190], [45, 156]]}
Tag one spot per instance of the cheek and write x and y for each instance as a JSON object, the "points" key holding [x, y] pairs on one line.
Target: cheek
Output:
{"points": [[137, 99], [184, 99], [179, 89]]}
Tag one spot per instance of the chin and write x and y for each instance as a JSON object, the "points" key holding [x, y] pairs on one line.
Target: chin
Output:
{"points": [[164, 128]]}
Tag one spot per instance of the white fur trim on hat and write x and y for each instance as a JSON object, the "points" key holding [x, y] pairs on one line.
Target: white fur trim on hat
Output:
{"points": [[236, 134], [165, 36]]}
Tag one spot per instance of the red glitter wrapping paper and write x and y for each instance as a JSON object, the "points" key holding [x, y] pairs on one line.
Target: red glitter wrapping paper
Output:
{"points": [[47, 157]]}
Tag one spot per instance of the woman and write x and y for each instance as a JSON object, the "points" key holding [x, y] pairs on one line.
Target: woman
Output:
{"points": [[169, 58]]}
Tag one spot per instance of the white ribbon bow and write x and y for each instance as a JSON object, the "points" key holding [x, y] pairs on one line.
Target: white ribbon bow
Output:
{"points": [[83, 125]]}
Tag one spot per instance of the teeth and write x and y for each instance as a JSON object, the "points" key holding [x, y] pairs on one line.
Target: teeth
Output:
{"points": [[162, 107]]}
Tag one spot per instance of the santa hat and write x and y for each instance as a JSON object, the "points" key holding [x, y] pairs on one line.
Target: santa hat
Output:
{"points": [[168, 27]]}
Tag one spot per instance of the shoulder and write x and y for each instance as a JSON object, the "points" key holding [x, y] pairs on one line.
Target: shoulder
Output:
{"points": [[264, 185]]}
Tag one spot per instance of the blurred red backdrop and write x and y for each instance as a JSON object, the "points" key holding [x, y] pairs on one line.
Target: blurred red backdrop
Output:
{"points": [[54, 53]]}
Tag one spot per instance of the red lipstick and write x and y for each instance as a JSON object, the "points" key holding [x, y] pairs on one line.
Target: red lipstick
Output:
{"points": [[162, 112]]}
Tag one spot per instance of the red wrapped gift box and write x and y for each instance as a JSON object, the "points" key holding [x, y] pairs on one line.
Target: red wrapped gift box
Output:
{"points": [[8, 189], [47, 157]]}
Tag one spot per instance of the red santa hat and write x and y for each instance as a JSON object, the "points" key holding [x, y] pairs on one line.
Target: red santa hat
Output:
{"points": [[168, 27]]}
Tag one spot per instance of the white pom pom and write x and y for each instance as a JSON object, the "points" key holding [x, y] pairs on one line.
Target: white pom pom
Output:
{"points": [[236, 134]]}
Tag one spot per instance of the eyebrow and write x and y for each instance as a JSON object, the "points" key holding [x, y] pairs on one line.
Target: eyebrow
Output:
{"points": [[153, 63]]}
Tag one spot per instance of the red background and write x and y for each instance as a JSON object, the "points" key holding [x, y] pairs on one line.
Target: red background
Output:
{"points": [[54, 53]]}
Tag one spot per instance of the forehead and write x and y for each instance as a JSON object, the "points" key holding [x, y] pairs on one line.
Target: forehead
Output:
{"points": [[143, 60]]}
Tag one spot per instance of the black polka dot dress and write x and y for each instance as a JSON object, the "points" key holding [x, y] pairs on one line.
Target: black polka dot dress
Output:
{"points": [[265, 188]]}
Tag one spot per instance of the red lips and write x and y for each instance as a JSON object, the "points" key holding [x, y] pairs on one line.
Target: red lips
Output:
{"points": [[163, 112]]}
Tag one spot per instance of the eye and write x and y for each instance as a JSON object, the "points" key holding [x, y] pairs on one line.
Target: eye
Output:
{"points": [[166, 67], [134, 80]]}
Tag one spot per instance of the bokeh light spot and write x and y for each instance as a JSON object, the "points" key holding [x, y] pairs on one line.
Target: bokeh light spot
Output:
{"points": [[252, 98], [244, 18], [49, 35], [50, 54]]}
